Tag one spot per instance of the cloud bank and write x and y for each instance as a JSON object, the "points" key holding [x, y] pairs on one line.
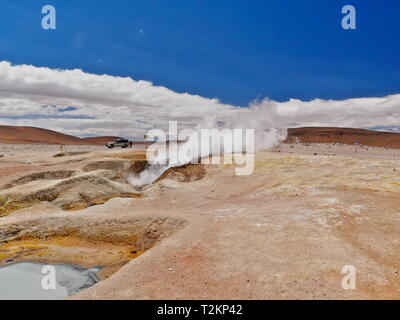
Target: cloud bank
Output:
{"points": [[84, 104]]}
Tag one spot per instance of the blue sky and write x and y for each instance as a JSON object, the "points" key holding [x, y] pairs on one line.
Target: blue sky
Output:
{"points": [[123, 67], [236, 51]]}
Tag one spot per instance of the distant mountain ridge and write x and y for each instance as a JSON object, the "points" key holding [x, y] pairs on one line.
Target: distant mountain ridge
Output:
{"points": [[15, 134], [344, 136]]}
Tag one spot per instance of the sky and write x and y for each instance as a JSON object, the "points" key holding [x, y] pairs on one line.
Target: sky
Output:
{"points": [[196, 61]]}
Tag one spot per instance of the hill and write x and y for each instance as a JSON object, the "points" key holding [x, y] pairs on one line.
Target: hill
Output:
{"points": [[14, 134], [345, 136], [19, 135]]}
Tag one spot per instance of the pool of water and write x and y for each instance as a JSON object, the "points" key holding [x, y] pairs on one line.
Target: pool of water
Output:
{"points": [[37, 281]]}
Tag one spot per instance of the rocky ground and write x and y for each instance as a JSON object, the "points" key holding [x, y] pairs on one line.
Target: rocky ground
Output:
{"points": [[284, 232]]}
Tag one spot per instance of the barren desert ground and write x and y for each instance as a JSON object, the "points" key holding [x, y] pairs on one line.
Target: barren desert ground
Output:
{"points": [[202, 232]]}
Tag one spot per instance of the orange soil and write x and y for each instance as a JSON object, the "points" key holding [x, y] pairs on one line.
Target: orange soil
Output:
{"points": [[344, 136]]}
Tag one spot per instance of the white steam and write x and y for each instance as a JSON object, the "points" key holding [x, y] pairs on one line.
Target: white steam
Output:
{"points": [[244, 132], [147, 176]]}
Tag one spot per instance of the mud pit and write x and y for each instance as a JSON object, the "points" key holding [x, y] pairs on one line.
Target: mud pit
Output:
{"points": [[106, 243], [23, 281]]}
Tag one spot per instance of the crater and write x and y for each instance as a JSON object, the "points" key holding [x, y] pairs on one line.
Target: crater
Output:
{"points": [[147, 174], [97, 183], [186, 173], [106, 244]]}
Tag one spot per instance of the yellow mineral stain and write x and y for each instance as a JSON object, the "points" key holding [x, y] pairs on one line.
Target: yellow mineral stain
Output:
{"points": [[86, 253]]}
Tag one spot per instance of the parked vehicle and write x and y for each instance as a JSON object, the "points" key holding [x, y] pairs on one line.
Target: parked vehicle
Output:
{"points": [[120, 143]]}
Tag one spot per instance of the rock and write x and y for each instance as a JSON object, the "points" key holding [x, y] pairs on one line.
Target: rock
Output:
{"points": [[186, 173]]}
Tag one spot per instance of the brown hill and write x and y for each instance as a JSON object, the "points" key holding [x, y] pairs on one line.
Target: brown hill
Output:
{"points": [[345, 136], [13, 134]]}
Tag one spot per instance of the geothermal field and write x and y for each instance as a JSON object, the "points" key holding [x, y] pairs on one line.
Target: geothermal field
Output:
{"points": [[201, 232]]}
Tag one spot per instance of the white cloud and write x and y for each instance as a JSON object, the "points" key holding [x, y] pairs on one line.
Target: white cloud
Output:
{"points": [[79, 103], [351, 113]]}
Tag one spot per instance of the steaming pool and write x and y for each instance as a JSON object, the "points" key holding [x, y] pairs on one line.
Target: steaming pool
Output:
{"points": [[23, 281]]}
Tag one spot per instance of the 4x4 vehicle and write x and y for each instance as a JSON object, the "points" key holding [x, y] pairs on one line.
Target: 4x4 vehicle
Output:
{"points": [[120, 143]]}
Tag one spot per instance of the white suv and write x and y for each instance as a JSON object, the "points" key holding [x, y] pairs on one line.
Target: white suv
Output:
{"points": [[121, 143]]}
